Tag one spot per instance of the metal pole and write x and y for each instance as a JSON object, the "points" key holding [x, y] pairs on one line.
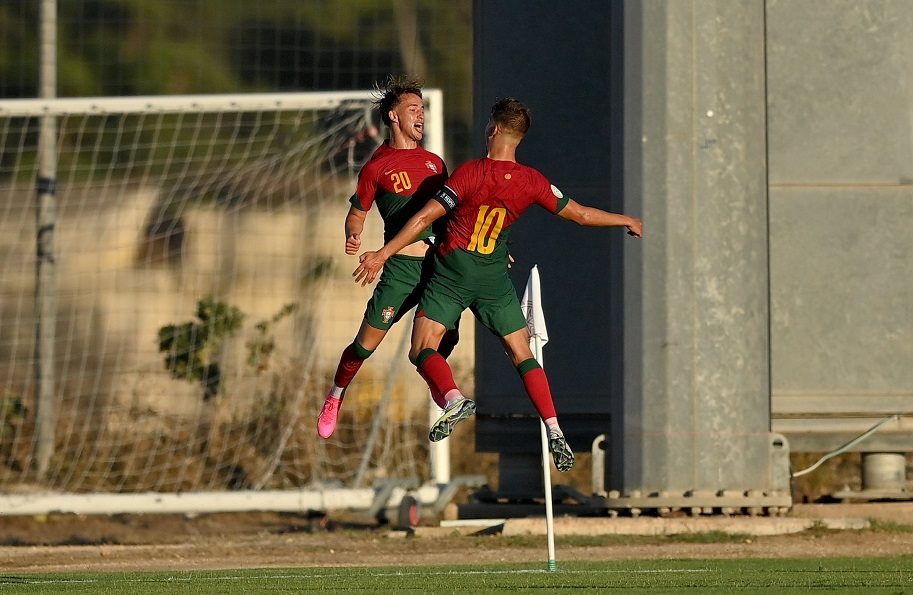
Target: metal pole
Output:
{"points": [[434, 142], [546, 477], [45, 282], [440, 451]]}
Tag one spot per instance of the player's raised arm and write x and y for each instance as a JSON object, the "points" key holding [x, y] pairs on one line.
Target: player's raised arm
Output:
{"points": [[373, 262], [593, 217]]}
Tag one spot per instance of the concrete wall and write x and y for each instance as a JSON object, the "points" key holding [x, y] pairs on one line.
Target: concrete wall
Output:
{"points": [[840, 134], [695, 410]]}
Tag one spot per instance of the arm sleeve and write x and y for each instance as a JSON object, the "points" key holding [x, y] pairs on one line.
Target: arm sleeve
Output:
{"points": [[366, 190], [549, 197]]}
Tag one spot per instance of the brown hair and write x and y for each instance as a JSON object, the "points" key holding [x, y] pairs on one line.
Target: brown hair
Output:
{"points": [[390, 92], [511, 115]]}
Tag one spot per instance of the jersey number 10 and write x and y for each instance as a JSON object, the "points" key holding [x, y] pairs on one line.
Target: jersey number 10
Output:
{"points": [[489, 224]]}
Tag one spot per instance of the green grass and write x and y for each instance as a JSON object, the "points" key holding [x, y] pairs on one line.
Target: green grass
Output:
{"points": [[880, 526], [847, 575], [539, 541]]}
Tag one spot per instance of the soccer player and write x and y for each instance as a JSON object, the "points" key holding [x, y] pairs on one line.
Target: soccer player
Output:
{"points": [[484, 197], [399, 177]]}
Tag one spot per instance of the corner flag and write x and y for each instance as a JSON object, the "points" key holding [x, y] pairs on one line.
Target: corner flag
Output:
{"points": [[531, 304]]}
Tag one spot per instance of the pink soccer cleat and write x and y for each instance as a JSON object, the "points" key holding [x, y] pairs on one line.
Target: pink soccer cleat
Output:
{"points": [[326, 422]]}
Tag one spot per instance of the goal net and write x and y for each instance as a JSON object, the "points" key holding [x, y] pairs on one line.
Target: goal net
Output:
{"points": [[202, 298]]}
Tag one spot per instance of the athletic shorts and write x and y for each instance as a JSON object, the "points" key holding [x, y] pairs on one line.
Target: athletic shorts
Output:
{"points": [[401, 282], [462, 280]]}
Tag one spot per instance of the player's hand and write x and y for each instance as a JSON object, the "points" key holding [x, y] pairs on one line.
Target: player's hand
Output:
{"points": [[371, 264], [510, 260], [353, 243], [635, 228]]}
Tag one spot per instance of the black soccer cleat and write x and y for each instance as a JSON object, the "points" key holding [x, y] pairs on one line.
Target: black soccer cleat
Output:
{"points": [[561, 452], [462, 409]]}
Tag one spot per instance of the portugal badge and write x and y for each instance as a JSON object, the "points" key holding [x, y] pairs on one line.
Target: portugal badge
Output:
{"points": [[387, 314]]}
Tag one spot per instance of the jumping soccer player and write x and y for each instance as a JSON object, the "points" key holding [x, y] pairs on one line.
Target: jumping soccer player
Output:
{"points": [[484, 197], [399, 177]]}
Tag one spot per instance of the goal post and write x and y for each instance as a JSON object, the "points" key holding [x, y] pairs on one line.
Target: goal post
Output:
{"points": [[315, 102], [202, 300]]}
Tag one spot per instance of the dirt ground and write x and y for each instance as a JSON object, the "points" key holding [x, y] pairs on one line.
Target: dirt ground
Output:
{"points": [[258, 540]]}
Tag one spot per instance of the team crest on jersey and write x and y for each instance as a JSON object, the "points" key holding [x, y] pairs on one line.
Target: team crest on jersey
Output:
{"points": [[556, 192], [431, 166], [387, 314]]}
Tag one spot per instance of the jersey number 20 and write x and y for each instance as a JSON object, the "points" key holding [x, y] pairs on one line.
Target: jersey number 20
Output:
{"points": [[401, 182], [489, 224]]}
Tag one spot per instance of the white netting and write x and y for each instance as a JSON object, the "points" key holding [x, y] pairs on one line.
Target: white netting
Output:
{"points": [[205, 216]]}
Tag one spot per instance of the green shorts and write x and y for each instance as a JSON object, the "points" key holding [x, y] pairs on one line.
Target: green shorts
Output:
{"points": [[462, 280], [401, 282]]}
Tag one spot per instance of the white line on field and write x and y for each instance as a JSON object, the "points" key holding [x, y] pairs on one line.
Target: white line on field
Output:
{"points": [[171, 579]]}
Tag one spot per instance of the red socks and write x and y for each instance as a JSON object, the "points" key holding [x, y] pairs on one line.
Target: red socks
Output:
{"points": [[351, 360], [536, 383], [436, 372], [354, 355], [436, 396]]}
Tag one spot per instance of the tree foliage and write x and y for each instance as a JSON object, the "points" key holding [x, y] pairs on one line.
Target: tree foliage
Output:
{"points": [[153, 47], [192, 348]]}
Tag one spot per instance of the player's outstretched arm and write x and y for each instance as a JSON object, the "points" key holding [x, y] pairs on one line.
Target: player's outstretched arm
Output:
{"points": [[373, 262], [355, 224], [593, 217]]}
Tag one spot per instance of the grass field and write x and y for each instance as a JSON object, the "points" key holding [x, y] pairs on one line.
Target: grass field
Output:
{"points": [[847, 575]]}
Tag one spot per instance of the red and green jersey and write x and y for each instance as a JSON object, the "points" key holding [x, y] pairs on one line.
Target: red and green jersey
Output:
{"points": [[400, 181], [484, 197]]}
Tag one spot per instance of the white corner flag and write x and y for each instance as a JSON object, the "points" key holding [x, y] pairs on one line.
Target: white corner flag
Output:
{"points": [[531, 304]]}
